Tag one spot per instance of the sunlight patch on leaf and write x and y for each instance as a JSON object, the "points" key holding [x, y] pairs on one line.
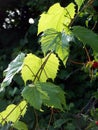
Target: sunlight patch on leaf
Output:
{"points": [[56, 41], [57, 17], [13, 113], [79, 3], [39, 69]]}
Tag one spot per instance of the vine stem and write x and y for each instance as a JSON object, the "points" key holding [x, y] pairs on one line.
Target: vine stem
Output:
{"points": [[39, 72], [84, 7], [36, 122], [75, 62], [50, 119], [89, 59]]}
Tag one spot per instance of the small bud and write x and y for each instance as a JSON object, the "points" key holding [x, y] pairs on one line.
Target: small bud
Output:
{"points": [[95, 65], [96, 122]]}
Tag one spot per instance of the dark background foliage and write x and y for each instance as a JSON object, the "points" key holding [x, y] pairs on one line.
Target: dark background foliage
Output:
{"points": [[17, 34]]}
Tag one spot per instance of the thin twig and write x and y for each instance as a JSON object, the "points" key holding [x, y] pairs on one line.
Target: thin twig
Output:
{"points": [[89, 59], [94, 25], [30, 70], [75, 62], [50, 119], [71, 73], [84, 7], [36, 122]]}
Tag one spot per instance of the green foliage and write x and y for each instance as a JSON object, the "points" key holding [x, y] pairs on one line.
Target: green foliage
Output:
{"points": [[79, 3], [19, 125], [44, 93], [13, 112], [57, 42], [13, 68], [39, 69], [59, 123], [63, 17], [33, 96], [62, 41], [86, 36]]}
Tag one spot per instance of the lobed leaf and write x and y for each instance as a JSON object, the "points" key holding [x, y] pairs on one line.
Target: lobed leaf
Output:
{"points": [[57, 18], [55, 94], [56, 41], [13, 68], [33, 96], [13, 113], [44, 93], [39, 69]]}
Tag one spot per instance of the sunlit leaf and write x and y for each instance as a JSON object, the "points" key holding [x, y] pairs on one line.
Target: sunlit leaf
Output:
{"points": [[39, 69], [79, 3], [57, 17], [56, 41], [13, 112], [13, 68], [86, 36]]}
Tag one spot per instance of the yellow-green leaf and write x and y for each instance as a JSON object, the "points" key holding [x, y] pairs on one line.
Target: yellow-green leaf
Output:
{"points": [[79, 3], [57, 17], [39, 69], [13, 112]]}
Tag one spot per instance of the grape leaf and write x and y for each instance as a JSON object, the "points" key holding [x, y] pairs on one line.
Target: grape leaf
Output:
{"points": [[79, 3], [33, 96], [13, 112], [86, 36], [55, 94], [56, 41], [39, 69], [57, 17], [13, 68], [44, 93]]}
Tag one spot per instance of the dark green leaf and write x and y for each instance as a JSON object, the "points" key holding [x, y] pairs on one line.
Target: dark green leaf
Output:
{"points": [[55, 93], [86, 36], [59, 123], [33, 96]]}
